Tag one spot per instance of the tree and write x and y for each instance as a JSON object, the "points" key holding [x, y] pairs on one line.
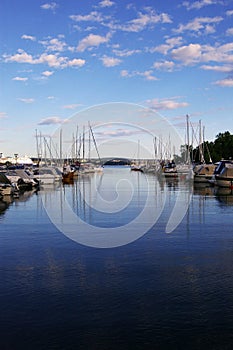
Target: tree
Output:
{"points": [[221, 148]]}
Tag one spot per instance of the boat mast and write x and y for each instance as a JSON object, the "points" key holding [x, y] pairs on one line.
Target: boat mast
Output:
{"points": [[92, 134], [187, 131], [61, 147]]}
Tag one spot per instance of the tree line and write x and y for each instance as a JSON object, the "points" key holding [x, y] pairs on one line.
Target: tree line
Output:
{"points": [[214, 151]]}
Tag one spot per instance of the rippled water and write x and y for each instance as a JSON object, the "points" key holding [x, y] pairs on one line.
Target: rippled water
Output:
{"points": [[161, 291]]}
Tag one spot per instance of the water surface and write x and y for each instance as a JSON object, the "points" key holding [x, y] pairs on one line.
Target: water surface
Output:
{"points": [[162, 291]]}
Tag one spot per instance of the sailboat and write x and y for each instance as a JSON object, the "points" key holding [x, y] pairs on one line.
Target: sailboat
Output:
{"points": [[136, 166]]}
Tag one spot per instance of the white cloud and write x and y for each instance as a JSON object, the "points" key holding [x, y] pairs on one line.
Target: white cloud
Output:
{"points": [[125, 53], [93, 16], [76, 62], [165, 65], [170, 43], [166, 104], [26, 100], [199, 4], [54, 45], [20, 57], [52, 60], [124, 73], [144, 20], [229, 13], [229, 31], [228, 82], [146, 74], [187, 54], [20, 79], [110, 61], [209, 29], [92, 40], [222, 69], [28, 37], [49, 6], [72, 106], [199, 24], [51, 121], [47, 73], [106, 3]]}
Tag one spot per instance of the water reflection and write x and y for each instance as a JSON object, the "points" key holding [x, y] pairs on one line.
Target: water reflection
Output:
{"points": [[150, 292], [224, 195], [7, 201]]}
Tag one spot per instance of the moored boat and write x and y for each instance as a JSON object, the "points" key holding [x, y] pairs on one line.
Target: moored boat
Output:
{"points": [[6, 188], [203, 173], [219, 168], [169, 169], [225, 178]]}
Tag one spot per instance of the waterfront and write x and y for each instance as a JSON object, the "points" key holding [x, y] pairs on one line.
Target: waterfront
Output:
{"points": [[161, 291]]}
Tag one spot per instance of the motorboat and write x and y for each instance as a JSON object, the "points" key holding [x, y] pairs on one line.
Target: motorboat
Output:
{"points": [[225, 178], [203, 173], [219, 168]]}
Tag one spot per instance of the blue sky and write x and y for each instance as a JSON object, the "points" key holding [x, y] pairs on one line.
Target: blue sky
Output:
{"points": [[58, 58]]}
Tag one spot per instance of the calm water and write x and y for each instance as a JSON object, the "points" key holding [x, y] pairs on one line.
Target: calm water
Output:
{"points": [[161, 291]]}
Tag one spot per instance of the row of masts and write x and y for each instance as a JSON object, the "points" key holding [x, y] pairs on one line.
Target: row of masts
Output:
{"points": [[80, 146], [49, 153]]}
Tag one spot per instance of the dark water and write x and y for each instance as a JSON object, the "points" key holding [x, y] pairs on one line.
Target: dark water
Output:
{"points": [[161, 291]]}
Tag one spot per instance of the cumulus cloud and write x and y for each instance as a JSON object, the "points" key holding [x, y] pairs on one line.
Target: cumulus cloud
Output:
{"points": [[92, 40], [144, 20], [76, 62], [47, 73], [165, 65], [54, 44], [51, 121], [110, 61], [52, 60], [170, 43], [189, 54]]}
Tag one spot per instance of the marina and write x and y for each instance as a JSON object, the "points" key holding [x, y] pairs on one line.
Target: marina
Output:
{"points": [[116, 175]]}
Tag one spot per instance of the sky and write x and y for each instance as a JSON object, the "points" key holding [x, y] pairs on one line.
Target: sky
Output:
{"points": [[66, 62]]}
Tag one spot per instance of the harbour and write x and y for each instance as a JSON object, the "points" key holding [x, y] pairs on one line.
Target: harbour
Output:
{"points": [[116, 175]]}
